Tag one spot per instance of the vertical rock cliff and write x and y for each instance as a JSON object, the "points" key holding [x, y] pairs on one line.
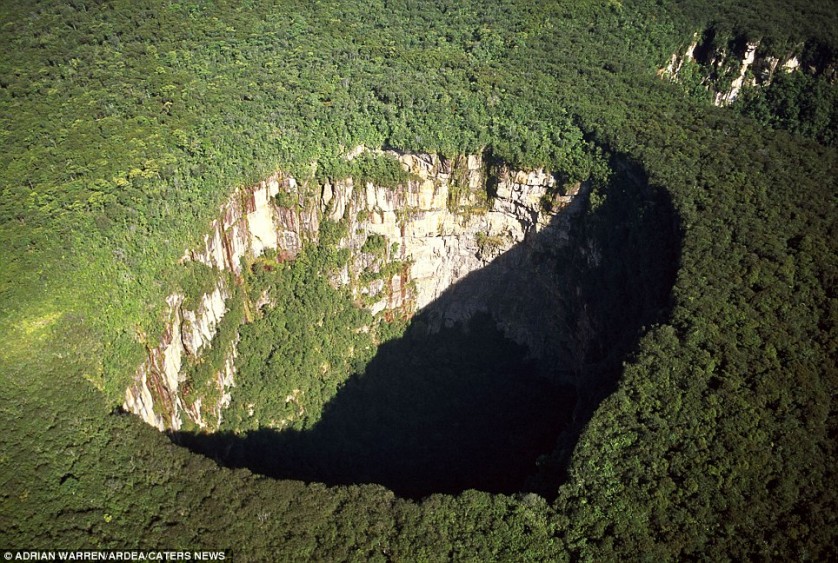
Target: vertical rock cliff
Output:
{"points": [[725, 68], [453, 217]]}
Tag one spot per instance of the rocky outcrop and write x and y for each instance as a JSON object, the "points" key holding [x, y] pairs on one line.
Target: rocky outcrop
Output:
{"points": [[727, 97], [247, 225], [155, 393], [725, 68], [677, 60], [442, 222], [453, 217]]}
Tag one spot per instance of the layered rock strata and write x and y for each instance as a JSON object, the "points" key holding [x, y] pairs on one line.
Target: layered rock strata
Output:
{"points": [[441, 226]]}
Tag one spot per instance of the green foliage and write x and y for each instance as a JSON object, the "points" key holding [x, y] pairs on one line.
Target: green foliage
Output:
{"points": [[126, 124], [286, 199], [375, 244], [694, 81], [798, 102], [197, 280], [382, 170], [384, 271], [201, 374], [458, 186], [802, 101], [293, 360], [774, 20], [489, 244], [738, 356]]}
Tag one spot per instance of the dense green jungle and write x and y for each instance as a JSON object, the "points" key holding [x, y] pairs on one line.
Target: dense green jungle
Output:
{"points": [[682, 408]]}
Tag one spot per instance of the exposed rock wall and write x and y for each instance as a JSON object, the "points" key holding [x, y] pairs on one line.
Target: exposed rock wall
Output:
{"points": [[727, 70], [440, 225], [727, 97], [154, 395], [677, 60], [246, 226], [445, 230]]}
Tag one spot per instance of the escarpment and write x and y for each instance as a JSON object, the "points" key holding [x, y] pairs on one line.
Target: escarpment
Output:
{"points": [[407, 245], [725, 67]]}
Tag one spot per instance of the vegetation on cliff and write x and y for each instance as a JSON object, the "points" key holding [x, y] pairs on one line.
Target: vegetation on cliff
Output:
{"points": [[125, 124]]}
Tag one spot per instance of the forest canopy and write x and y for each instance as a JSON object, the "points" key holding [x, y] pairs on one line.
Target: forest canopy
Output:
{"points": [[125, 124]]}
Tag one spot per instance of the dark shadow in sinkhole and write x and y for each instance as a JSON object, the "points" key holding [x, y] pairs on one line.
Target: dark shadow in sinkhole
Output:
{"points": [[455, 404], [442, 412]]}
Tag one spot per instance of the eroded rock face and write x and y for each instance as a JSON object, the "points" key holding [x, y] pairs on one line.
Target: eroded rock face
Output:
{"points": [[198, 325], [246, 224], [440, 225], [729, 70], [445, 227], [155, 394], [747, 61]]}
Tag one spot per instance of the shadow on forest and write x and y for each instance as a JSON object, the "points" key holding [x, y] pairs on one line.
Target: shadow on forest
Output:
{"points": [[455, 404]]}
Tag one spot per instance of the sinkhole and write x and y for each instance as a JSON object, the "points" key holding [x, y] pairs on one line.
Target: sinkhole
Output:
{"points": [[490, 385]]}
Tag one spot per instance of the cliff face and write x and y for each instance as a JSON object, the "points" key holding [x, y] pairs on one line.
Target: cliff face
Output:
{"points": [[725, 69], [442, 221], [440, 225], [246, 227]]}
